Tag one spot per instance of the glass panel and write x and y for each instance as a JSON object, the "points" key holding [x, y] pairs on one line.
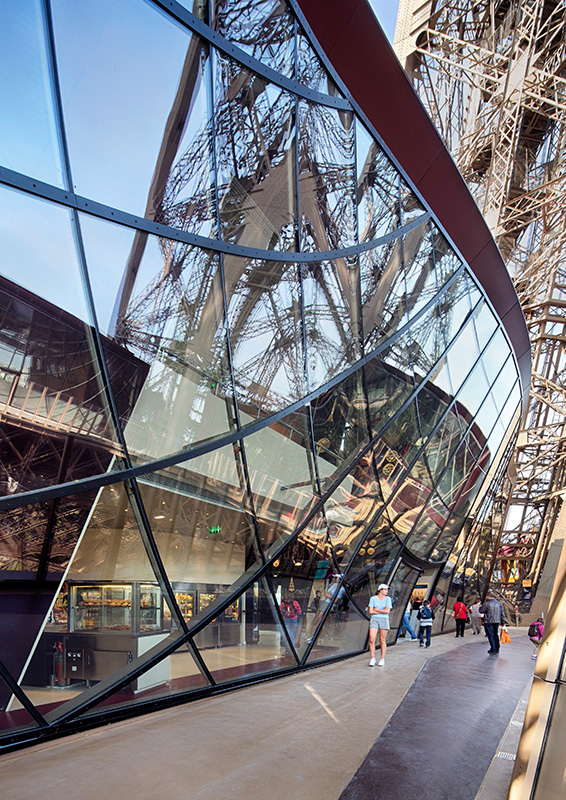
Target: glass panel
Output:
{"points": [[388, 387], [351, 507], [330, 309], [55, 423], [474, 390], [327, 179], [38, 540], [169, 322], [401, 441], [264, 318], [311, 71], [28, 135], [420, 274], [110, 627], [428, 336], [411, 206], [487, 421], [182, 191], [38, 252], [439, 382], [462, 356], [400, 590], [177, 673], [255, 146], [454, 305], [131, 79], [510, 409], [485, 324], [451, 532], [14, 717], [428, 526], [259, 643], [299, 574], [21, 617], [441, 446], [445, 259], [378, 188], [460, 469], [495, 355], [372, 563], [384, 308], [264, 29], [282, 477], [345, 629], [339, 426], [199, 520]]}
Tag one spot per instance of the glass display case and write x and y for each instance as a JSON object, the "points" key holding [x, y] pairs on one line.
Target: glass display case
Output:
{"points": [[205, 599], [232, 613], [101, 608], [150, 608], [186, 602]]}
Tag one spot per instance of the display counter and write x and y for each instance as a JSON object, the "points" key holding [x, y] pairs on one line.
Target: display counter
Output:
{"points": [[97, 628]]}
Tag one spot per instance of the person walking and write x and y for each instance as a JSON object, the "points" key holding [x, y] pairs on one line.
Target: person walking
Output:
{"points": [[535, 632], [425, 615], [406, 624], [493, 616], [379, 607], [460, 615], [476, 617]]}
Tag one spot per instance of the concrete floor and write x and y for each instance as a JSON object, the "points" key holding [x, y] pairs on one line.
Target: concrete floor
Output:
{"points": [[303, 736]]}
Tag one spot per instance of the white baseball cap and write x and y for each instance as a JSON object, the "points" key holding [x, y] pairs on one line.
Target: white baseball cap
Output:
{"points": [[382, 586]]}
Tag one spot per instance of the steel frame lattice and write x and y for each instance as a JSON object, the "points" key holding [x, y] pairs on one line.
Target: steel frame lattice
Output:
{"points": [[491, 75]]}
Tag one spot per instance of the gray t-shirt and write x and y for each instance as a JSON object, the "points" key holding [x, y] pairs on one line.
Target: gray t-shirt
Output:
{"points": [[386, 603]]}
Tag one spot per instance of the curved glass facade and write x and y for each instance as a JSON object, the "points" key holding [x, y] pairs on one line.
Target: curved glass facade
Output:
{"points": [[240, 361]]}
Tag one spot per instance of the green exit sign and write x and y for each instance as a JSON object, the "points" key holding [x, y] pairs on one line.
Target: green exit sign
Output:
{"points": [[216, 529]]}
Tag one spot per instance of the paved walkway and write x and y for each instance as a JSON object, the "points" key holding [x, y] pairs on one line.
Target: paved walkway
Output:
{"points": [[442, 739], [303, 736]]}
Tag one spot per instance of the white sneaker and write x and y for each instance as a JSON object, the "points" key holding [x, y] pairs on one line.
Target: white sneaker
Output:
{"points": [[381, 662], [372, 662]]}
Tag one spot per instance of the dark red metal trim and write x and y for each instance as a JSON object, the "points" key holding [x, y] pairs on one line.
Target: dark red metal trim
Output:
{"points": [[359, 51]]}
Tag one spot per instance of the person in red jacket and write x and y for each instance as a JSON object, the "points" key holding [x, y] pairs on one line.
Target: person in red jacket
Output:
{"points": [[460, 615]]}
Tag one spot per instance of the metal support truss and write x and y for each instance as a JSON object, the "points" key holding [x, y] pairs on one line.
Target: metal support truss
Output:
{"points": [[492, 76]]}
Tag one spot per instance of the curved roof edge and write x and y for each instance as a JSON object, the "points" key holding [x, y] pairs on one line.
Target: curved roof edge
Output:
{"points": [[360, 53]]}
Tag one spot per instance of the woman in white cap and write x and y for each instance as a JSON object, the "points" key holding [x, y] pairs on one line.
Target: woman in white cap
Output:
{"points": [[379, 607]]}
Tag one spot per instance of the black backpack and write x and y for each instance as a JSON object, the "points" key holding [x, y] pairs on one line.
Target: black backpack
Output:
{"points": [[533, 630]]}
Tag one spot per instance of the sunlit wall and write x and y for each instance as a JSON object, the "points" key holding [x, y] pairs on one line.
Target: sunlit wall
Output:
{"points": [[240, 361]]}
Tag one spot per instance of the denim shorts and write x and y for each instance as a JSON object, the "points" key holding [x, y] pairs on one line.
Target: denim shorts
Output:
{"points": [[379, 621]]}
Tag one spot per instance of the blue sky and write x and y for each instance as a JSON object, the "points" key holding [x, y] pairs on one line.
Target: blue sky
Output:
{"points": [[386, 12]]}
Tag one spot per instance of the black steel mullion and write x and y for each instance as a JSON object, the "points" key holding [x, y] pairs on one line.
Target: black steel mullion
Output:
{"points": [[188, 20], [238, 444], [278, 616], [69, 199], [200, 662], [108, 478], [152, 551]]}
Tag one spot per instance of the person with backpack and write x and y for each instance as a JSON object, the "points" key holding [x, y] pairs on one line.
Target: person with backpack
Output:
{"points": [[535, 632], [425, 615]]}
